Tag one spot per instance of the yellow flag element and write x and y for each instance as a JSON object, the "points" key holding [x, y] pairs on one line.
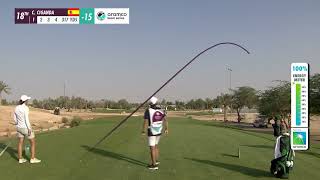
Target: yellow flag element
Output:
{"points": [[73, 12]]}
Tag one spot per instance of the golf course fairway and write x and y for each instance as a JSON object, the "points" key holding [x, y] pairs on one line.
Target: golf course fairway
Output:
{"points": [[192, 150]]}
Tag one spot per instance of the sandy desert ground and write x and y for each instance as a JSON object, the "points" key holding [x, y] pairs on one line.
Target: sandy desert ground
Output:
{"points": [[46, 120], [43, 119]]}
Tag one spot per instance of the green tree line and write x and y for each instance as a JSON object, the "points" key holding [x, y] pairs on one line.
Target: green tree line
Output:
{"points": [[81, 103], [274, 100]]}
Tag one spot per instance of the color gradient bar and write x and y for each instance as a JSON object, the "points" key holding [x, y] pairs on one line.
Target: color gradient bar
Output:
{"points": [[298, 104]]}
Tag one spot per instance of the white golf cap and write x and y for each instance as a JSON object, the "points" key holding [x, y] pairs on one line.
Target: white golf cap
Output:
{"points": [[153, 100], [24, 98]]}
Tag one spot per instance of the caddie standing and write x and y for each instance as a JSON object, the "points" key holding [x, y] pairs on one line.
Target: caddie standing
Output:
{"points": [[154, 119]]}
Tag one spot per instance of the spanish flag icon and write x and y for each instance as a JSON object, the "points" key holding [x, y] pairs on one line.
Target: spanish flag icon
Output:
{"points": [[73, 12]]}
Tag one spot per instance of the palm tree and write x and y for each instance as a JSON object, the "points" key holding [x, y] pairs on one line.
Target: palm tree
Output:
{"points": [[224, 101], [4, 88]]}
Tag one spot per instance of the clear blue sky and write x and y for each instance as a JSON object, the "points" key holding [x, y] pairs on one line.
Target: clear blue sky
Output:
{"points": [[131, 61]]}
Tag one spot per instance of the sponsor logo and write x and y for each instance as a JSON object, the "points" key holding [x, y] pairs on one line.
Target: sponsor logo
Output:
{"points": [[299, 138], [157, 116], [117, 15], [101, 16], [111, 15]]}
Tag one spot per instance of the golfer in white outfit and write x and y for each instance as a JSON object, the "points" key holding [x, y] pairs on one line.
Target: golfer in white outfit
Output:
{"points": [[24, 129]]}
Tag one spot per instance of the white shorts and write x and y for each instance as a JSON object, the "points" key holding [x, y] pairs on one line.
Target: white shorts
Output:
{"points": [[153, 140], [23, 132]]}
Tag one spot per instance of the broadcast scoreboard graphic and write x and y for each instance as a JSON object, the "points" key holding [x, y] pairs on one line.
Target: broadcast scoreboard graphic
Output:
{"points": [[71, 15], [299, 106]]}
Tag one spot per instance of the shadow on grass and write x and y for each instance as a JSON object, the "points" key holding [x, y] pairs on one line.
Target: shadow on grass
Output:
{"points": [[12, 152], [114, 156], [317, 155], [259, 146], [241, 169], [229, 155], [235, 127]]}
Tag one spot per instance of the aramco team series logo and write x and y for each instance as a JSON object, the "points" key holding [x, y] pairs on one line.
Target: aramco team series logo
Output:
{"points": [[101, 16], [157, 116], [299, 138]]}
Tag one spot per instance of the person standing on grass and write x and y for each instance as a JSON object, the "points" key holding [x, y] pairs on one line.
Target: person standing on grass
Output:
{"points": [[154, 118], [289, 120], [21, 119], [280, 125], [276, 125], [284, 127]]}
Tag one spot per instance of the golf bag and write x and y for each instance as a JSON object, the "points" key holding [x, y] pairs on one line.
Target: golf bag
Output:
{"points": [[283, 162]]}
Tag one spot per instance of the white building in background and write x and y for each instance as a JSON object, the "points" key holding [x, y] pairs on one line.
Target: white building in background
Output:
{"points": [[217, 110]]}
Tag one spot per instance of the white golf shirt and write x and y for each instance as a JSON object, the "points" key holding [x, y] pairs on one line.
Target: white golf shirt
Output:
{"points": [[21, 117]]}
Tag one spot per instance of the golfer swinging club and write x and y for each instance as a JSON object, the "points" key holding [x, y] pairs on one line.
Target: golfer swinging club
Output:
{"points": [[154, 117], [21, 119]]}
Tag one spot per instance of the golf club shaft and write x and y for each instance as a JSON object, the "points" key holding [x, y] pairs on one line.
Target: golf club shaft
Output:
{"points": [[2, 152]]}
